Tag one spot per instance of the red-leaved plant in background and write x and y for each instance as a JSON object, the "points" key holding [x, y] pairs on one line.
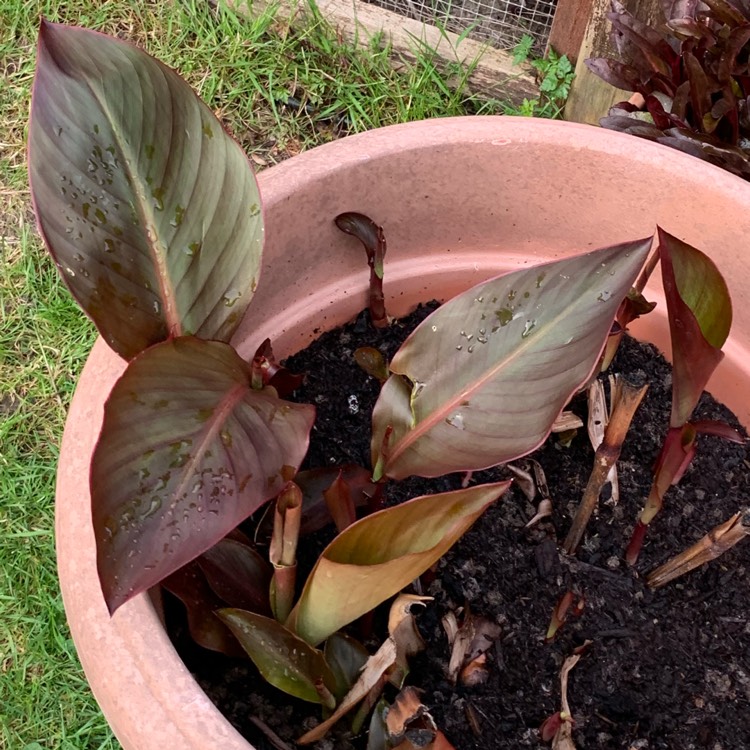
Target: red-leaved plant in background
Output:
{"points": [[693, 75], [152, 215]]}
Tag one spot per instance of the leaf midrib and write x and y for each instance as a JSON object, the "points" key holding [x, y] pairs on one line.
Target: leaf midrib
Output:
{"points": [[157, 250]]}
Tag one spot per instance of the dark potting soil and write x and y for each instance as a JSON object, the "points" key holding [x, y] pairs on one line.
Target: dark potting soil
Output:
{"points": [[667, 669]]}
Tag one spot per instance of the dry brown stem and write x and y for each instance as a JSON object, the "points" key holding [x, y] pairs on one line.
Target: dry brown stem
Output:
{"points": [[711, 546], [624, 402]]}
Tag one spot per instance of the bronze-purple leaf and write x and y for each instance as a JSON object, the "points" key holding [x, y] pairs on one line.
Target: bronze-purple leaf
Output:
{"points": [[314, 483], [189, 585], [238, 575], [482, 380], [267, 371], [700, 90], [615, 73], [149, 209], [187, 451], [636, 41], [700, 316]]}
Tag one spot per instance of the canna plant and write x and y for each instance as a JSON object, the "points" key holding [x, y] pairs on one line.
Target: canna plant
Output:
{"points": [[153, 216], [700, 316]]}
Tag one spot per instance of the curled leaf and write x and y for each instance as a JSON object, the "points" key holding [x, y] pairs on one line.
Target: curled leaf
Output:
{"points": [[282, 550], [700, 316], [409, 722], [267, 371], [373, 239], [469, 644]]}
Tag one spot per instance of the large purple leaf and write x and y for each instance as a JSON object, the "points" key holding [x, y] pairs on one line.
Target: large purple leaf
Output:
{"points": [[187, 450], [489, 372], [150, 210], [700, 316], [636, 41]]}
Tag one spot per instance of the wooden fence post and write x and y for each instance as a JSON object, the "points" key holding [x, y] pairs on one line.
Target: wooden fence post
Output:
{"points": [[590, 97], [569, 27]]}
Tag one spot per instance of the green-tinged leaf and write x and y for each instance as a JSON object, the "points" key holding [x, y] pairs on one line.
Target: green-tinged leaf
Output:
{"points": [[187, 450], [150, 210], [371, 360], [189, 585], [284, 659], [377, 735], [700, 316], [377, 556], [345, 657], [490, 371], [238, 575]]}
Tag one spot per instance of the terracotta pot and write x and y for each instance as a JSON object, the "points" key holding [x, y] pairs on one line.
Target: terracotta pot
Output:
{"points": [[461, 200]]}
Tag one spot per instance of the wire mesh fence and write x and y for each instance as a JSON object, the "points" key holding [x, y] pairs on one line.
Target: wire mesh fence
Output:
{"points": [[502, 23]]}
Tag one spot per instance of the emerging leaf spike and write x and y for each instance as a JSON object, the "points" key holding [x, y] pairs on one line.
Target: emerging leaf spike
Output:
{"points": [[372, 238]]}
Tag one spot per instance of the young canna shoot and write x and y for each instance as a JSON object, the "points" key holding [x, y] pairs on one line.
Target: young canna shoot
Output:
{"points": [[373, 240], [700, 316]]}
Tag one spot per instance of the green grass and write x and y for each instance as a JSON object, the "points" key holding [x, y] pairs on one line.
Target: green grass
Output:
{"points": [[246, 70]]}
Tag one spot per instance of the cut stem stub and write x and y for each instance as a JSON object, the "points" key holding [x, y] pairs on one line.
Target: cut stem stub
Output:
{"points": [[718, 541], [625, 400]]}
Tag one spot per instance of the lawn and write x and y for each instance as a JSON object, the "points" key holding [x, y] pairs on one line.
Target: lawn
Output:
{"points": [[280, 89]]}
